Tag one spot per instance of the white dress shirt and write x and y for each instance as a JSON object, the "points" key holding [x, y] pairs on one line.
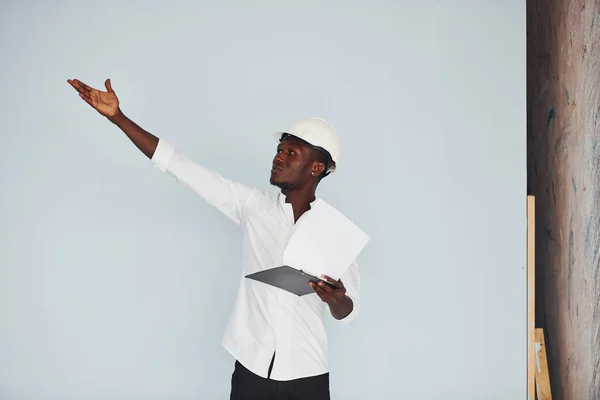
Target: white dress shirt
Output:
{"points": [[265, 320]]}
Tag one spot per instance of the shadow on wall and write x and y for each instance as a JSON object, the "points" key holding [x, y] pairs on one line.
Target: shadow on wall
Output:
{"points": [[563, 128]]}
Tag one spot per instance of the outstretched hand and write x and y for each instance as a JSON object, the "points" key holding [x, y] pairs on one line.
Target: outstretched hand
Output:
{"points": [[106, 103]]}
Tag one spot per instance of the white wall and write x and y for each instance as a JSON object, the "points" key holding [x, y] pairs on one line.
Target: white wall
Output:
{"points": [[116, 283]]}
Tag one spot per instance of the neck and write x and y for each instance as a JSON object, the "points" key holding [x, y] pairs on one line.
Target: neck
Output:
{"points": [[300, 200]]}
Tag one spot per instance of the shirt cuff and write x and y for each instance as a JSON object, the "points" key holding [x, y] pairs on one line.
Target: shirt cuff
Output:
{"points": [[162, 155], [354, 313]]}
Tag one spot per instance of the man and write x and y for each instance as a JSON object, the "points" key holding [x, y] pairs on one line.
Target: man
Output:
{"points": [[277, 338]]}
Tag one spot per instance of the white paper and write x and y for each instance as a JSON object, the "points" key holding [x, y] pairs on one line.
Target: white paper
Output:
{"points": [[325, 242]]}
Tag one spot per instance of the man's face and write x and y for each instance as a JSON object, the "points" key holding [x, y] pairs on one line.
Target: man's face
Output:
{"points": [[292, 165]]}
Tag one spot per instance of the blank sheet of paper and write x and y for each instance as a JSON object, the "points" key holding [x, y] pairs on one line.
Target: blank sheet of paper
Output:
{"points": [[325, 242]]}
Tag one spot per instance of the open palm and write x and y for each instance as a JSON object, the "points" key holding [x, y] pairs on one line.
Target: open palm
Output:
{"points": [[106, 103]]}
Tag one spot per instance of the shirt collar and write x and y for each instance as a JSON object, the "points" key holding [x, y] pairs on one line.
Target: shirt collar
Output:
{"points": [[281, 198]]}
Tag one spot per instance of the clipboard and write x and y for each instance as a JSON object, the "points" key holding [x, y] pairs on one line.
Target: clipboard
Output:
{"points": [[289, 279]]}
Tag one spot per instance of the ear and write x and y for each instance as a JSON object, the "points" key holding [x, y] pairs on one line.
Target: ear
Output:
{"points": [[317, 168]]}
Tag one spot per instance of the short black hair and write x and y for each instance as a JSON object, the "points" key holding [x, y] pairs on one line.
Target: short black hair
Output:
{"points": [[317, 154], [322, 156]]}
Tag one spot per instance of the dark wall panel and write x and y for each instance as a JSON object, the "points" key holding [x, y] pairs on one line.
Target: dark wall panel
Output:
{"points": [[563, 146]]}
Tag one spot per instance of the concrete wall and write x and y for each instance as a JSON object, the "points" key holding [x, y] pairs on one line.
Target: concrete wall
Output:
{"points": [[563, 134], [117, 283]]}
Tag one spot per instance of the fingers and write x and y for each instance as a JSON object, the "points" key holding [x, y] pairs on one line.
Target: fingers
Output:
{"points": [[327, 293], [91, 100], [324, 287], [108, 86], [322, 292], [87, 93], [80, 86], [86, 98], [329, 279]]}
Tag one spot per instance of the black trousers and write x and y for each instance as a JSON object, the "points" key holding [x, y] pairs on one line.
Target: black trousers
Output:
{"points": [[245, 385]]}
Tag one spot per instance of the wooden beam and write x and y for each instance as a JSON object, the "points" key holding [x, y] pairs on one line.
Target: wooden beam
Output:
{"points": [[542, 376], [530, 297]]}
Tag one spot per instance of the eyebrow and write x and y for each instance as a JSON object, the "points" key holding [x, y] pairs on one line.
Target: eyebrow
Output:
{"points": [[290, 145]]}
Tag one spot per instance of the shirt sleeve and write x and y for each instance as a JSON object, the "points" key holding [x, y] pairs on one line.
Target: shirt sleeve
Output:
{"points": [[230, 197], [351, 280]]}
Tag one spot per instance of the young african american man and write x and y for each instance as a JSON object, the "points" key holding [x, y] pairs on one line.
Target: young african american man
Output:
{"points": [[277, 339]]}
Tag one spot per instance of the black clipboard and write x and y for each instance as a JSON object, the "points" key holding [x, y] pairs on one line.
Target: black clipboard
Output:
{"points": [[289, 279]]}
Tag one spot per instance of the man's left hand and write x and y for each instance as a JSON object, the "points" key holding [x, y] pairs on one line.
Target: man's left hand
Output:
{"points": [[340, 305], [327, 293]]}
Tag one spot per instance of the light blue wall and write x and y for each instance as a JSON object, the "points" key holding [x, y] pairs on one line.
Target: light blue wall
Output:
{"points": [[116, 283]]}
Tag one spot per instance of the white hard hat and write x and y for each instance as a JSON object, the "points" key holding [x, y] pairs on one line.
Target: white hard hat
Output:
{"points": [[317, 132]]}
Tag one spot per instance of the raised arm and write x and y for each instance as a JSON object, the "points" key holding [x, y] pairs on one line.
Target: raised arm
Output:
{"points": [[107, 104], [231, 198]]}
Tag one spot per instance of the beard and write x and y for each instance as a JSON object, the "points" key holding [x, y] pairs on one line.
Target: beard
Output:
{"points": [[286, 186], [290, 180]]}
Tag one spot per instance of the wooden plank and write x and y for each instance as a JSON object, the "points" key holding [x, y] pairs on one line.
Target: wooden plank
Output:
{"points": [[531, 297], [542, 376]]}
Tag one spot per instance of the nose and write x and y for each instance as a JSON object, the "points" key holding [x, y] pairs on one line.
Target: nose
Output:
{"points": [[279, 158]]}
